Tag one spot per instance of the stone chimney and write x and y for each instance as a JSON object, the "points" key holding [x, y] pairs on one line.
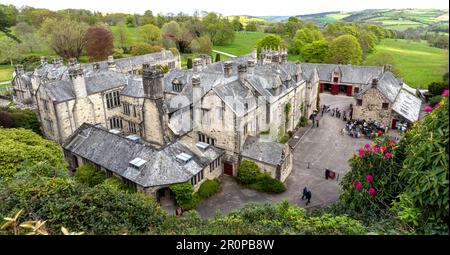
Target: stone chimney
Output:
{"points": [[254, 54], [298, 71], [388, 67], [227, 68], [111, 63], [19, 69], [196, 102], [374, 82], [242, 73], [72, 62], [284, 56], [197, 65], [57, 61], [152, 80], [275, 57], [76, 75], [250, 66], [44, 60], [96, 66]]}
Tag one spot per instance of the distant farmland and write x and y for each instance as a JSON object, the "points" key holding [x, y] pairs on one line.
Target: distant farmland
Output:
{"points": [[418, 63]]}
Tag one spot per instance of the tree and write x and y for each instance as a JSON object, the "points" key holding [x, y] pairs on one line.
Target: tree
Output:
{"points": [[26, 34], [251, 26], [315, 52], [65, 37], [383, 59], [271, 41], [147, 18], [88, 175], [345, 49], [201, 45], [6, 21], [248, 172], [9, 50], [367, 41], [122, 34], [150, 34], [143, 48], [23, 118], [99, 42], [237, 25], [336, 29], [20, 145], [6, 120], [304, 38], [220, 30]]}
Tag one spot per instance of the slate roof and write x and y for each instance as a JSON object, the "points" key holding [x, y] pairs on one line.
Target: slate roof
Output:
{"points": [[349, 73], [237, 97], [263, 151], [134, 62], [50, 71], [115, 151], [61, 90], [407, 105]]}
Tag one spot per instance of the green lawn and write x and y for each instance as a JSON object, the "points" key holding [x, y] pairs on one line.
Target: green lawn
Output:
{"points": [[6, 72], [132, 36], [243, 43], [418, 63]]}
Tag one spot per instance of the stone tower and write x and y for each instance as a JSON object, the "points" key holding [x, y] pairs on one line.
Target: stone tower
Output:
{"points": [[152, 80], [83, 110]]}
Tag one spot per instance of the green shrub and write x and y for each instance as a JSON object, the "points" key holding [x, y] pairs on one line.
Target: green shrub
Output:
{"points": [[284, 138], [266, 183], [117, 53], [248, 172], [189, 63], [303, 122], [209, 188], [90, 176], [435, 100], [184, 195], [174, 51], [25, 118], [436, 88]]}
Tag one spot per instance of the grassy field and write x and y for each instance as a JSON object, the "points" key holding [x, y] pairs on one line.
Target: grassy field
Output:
{"points": [[243, 43], [133, 36], [6, 72], [418, 63]]}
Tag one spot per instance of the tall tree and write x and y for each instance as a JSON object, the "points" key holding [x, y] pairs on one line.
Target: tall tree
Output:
{"points": [[147, 18], [201, 45], [122, 34], [237, 25], [345, 49], [5, 24], [64, 36], [26, 34], [99, 42], [271, 41], [9, 50], [150, 34]]}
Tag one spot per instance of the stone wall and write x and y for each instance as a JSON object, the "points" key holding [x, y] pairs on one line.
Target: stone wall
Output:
{"points": [[371, 108]]}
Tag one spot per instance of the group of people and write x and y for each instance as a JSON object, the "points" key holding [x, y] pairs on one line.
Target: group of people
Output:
{"points": [[306, 194], [315, 119], [335, 112], [368, 129]]}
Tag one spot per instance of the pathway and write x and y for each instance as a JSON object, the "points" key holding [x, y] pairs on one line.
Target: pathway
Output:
{"points": [[224, 53]]}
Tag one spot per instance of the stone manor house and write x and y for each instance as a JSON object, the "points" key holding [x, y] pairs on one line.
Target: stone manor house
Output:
{"points": [[156, 129]]}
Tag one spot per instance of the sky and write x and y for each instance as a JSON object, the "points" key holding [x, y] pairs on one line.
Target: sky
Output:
{"points": [[230, 7]]}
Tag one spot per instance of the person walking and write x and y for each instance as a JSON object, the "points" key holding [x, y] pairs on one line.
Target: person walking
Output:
{"points": [[308, 196], [305, 191]]}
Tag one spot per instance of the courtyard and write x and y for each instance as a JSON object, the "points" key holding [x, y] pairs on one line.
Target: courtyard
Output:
{"points": [[319, 148]]}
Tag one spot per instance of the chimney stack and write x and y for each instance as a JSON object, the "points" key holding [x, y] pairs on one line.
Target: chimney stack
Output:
{"points": [[72, 62], [227, 68], [19, 69], [388, 67], [152, 79], [196, 102], [197, 65], [111, 63], [298, 71], [374, 82], [76, 75], [242, 73], [96, 66], [250, 66], [44, 60]]}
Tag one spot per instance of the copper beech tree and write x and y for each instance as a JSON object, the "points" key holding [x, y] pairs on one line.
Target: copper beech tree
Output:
{"points": [[99, 42]]}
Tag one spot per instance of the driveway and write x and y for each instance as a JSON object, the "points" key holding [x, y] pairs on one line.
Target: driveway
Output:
{"points": [[323, 147]]}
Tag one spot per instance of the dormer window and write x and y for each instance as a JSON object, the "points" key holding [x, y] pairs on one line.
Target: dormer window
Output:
{"points": [[137, 163]]}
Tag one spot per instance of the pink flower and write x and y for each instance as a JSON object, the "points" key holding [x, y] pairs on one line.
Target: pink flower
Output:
{"points": [[388, 155], [369, 178], [445, 93], [361, 153], [437, 106], [379, 132], [377, 148], [354, 182], [358, 186], [372, 192], [383, 148], [428, 108], [367, 145]]}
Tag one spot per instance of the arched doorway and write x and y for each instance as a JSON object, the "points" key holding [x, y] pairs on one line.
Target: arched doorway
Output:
{"points": [[165, 197]]}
